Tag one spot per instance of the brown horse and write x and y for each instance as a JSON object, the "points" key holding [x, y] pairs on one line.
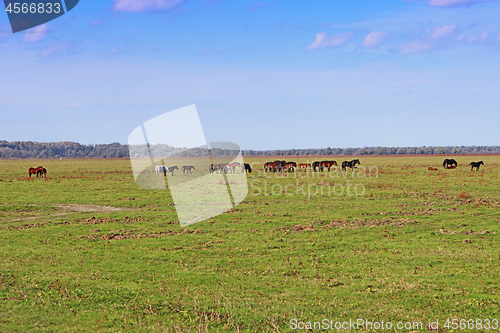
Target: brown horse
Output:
{"points": [[327, 164], [33, 171], [232, 166], [187, 168], [304, 166], [289, 166], [274, 166]]}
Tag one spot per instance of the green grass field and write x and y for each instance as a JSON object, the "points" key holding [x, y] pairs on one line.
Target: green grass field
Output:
{"points": [[87, 250]]}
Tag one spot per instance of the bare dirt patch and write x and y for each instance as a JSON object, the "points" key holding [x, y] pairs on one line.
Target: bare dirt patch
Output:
{"points": [[88, 208], [71, 208]]}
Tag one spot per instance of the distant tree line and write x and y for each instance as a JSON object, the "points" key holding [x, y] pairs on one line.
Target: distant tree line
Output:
{"points": [[439, 150], [29, 149]]}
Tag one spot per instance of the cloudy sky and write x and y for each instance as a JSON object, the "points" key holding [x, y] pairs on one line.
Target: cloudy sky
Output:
{"points": [[263, 74]]}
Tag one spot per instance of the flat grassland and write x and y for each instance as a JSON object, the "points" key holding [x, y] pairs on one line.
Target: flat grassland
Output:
{"points": [[88, 250]]}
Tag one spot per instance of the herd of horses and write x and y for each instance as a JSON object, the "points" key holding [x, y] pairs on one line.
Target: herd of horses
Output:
{"points": [[275, 166], [229, 167], [214, 168], [163, 169], [450, 163], [280, 166]]}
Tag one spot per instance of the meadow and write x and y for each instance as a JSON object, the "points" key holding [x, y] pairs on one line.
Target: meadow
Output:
{"points": [[87, 250]]}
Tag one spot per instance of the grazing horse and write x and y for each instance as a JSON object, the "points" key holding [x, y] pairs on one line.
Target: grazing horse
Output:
{"points": [[349, 164], [217, 168], [33, 171], [304, 166], [274, 166], [289, 166], [161, 169], [246, 168], [327, 164], [450, 162], [172, 168], [232, 166], [475, 165], [41, 171], [186, 168], [317, 165]]}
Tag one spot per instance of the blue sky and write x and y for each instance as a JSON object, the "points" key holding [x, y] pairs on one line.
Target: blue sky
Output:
{"points": [[263, 74]]}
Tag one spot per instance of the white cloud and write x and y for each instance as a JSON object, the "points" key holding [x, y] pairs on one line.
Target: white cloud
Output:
{"points": [[323, 41], [443, 31], [35, 34], [416, 47], [451, 3], [145, 5], [54, 50], [375, 38], [479, 38]]}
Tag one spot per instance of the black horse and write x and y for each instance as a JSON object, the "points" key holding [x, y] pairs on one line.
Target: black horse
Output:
{"points": [[41, 171], [349, 164], [172, 168], [247, 168], [475, 165], [449, 162], [317, 165]]}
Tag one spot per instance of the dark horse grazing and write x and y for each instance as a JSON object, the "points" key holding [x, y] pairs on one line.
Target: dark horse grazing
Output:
{"points": [[450, 162], [317, 165], [475, 165], [172, 168], [349, 164], [186, 168], [247, 168], [42, 172]]}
